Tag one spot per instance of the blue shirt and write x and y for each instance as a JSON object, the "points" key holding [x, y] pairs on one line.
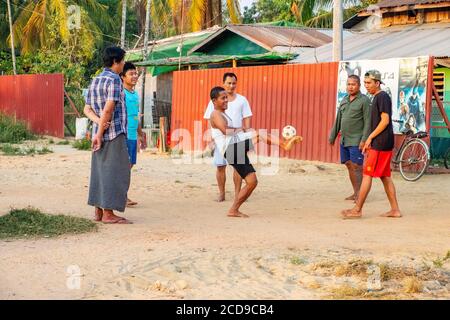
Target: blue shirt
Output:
{"points": [[132, 105], [107, 86]]}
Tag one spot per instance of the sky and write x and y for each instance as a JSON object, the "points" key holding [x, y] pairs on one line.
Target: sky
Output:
{"points": [[244, 3]]}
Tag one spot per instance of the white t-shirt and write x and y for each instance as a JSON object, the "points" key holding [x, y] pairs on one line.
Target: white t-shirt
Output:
{"points": [[237, 110]]}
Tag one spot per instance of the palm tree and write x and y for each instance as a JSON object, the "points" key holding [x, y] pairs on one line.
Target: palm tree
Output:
{"points": [[319, 14], [207, 13], [177, 16], [44, 23]]}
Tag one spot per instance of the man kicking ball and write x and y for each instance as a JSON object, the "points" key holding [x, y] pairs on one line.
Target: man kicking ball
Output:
{"points": [[234, 144]]}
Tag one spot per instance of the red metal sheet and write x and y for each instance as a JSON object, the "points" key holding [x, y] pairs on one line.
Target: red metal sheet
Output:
{"points": [[301, 95], [38, 99]]}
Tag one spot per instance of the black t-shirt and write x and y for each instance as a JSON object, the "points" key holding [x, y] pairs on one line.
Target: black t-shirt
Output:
{"points": [[385, 140]]}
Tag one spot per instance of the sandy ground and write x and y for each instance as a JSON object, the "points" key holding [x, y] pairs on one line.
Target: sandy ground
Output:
{"points": [[182, 245]]}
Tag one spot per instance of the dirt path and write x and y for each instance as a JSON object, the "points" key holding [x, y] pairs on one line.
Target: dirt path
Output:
{"points": [[294, 246]]}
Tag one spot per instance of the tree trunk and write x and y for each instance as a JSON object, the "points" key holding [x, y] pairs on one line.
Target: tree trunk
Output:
{"points": [[13, 52], [124, 22], [218, 19]]}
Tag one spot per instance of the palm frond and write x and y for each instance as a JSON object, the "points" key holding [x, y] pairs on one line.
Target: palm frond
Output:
{"points": [[233, 10], [196, 13], [322, 20], [58, 10]]}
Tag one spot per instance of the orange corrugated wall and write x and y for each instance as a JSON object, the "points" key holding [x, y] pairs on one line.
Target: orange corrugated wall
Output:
{"points": [[37, 99], [301, 95]]}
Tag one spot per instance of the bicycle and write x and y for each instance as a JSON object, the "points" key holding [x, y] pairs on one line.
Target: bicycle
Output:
{"points": [[413, 157]]}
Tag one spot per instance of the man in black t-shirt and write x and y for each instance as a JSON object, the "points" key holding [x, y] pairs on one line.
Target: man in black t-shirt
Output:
{"points": [[378, 149]]}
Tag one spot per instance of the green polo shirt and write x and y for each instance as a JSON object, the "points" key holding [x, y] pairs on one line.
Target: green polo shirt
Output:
{"points": [[352, 120]]}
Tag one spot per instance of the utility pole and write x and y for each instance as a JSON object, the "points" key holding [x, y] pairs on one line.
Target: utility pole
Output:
{"points": [[337, 30], [145, 54], [124, 22], [13, 53]]}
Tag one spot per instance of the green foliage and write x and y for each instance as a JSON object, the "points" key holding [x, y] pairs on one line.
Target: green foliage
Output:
{"points": [[310, 13], [30, 222], [268, 11], [63, 142], [13, 131], [83, 144], [10, 150]]}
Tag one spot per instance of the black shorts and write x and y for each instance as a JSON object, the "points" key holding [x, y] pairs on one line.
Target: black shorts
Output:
{"points": [[236, 156]]}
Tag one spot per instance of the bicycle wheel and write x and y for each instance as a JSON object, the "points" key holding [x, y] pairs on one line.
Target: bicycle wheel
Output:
{"points": [[447, 159], [414, 160]]}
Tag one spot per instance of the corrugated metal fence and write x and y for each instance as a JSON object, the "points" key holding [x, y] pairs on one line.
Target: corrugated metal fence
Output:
{"points": [[38, 99], [300, 95]]}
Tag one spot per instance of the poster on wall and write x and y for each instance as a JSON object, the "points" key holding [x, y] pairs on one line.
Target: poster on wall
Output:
{"points": [[405, 80]]}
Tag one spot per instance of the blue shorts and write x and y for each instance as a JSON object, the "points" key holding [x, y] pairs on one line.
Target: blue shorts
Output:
{"points": [[132, 150], [353, 154]]}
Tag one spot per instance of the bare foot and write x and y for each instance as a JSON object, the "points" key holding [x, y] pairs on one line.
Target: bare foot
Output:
{"points": [[392, 214], [118, 221], [110, 217], [287, 145], [351, 214], [221, 198], [98, 214], [237, 214]]}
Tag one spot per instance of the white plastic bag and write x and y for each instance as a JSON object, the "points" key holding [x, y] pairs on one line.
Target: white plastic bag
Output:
{"points": [[81, 125]]}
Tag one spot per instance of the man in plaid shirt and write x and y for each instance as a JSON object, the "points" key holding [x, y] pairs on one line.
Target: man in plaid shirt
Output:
{"points": [[110, 167]]}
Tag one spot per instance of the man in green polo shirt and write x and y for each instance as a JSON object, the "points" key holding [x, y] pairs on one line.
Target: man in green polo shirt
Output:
{"points": [[353, 122]]}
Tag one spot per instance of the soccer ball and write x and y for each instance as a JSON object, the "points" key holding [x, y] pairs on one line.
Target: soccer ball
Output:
{"points": [[288, 132]]}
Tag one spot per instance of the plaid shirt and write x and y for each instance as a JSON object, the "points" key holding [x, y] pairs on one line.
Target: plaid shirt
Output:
{"points": [[104, 87]]}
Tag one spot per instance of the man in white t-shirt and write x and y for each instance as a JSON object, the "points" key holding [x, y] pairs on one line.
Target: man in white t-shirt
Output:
{"points": [[240, 113]]}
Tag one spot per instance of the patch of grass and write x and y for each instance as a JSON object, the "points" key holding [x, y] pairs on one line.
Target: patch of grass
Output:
{"points": [[439, 262], [386, 272], [353, 268], [447, 256], [412, 285], [44, 150], [297, 260], [10, 150], [324, 265], [51, 141], [30, 222], [83, 144], [30, 150], [178, 181], [63, 142], [346, 291], [13, 131]]}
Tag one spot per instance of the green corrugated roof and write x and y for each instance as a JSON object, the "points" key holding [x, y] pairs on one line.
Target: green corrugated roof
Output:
{"points": [[205, 59], [164, 57]]}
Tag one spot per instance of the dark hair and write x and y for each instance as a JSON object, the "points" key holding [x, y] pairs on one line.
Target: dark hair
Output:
{"points": [[215, 92], [355, 77], [111, 55], [229, 74], [126, 67]]}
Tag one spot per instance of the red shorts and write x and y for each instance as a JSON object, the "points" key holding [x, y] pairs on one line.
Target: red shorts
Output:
{"points": [[378, 163]]}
